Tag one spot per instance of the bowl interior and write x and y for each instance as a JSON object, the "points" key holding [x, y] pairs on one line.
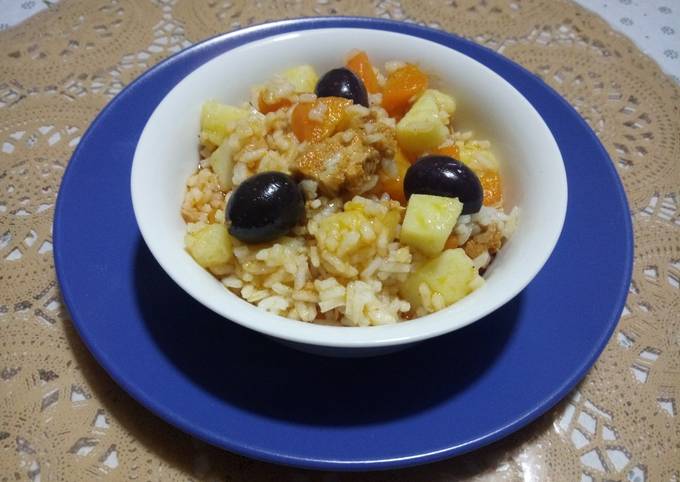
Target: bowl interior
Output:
{"points": [[533, 172]]}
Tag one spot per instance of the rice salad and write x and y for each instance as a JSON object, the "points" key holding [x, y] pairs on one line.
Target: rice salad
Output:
{"points": [[349, 199]]}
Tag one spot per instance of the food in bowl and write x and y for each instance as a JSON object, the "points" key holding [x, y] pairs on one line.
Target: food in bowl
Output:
{"points": [[348, 199]]}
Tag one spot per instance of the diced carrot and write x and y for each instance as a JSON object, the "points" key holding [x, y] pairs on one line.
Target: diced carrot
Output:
{"points": [[491, 185], [300, 121], [393, 185], [264, 107], [361, 66], [306, 129], [451, 151], [401, 88]]}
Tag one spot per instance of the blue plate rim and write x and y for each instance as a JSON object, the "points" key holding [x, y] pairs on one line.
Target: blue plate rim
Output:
{"points": [[257, 32]]}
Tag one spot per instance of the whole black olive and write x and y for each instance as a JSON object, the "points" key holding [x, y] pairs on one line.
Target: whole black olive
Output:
{"points": [[264, 207], [445, 176], [342, 82]]}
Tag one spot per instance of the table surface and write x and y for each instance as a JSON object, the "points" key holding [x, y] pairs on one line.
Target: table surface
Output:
{"points": [[61, 417], [653, 25]]}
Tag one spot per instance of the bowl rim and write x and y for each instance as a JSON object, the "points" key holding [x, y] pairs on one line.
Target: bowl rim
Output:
{"points": [[405, 332]]}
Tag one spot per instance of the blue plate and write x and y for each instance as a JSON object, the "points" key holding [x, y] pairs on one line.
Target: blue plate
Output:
{"points": [[243, 392]]}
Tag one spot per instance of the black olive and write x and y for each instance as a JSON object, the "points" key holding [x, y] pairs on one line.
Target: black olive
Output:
{"points": [[445, 176], [342, 83], [264, 207]]}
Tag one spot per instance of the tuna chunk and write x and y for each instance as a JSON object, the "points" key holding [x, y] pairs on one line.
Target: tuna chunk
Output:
{"points": [[489, 240], [342, 163]]}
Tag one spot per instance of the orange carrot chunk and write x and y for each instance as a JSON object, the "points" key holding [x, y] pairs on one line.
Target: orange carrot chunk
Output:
{"points": [[402, 87], [361, 66], [491, 186], [451, 151], [331, 112], [265, 108]]}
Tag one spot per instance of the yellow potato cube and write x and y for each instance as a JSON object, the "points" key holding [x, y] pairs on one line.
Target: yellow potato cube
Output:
{"points": [[477, 158], [425, 125], [445, 102], [451, 275], [222, 163], [303, 78], [429, 221], [211, 246], [217, 121]]}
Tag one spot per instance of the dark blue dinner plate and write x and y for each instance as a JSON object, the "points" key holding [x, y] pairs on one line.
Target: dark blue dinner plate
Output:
{"points": [[246, 393]]}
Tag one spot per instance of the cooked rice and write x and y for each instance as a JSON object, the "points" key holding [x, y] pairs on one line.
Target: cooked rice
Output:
{"points": [[317, 112], [307, 97]]}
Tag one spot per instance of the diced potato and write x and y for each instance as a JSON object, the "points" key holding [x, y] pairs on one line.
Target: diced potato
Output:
{"points": [[211, 246], [423, 128], [222, 164], [303, 78], [420, 129], [429, 221], [445, 102], [451, 274], [276, 94], [217, 121], [477, 158], [211, 138]]}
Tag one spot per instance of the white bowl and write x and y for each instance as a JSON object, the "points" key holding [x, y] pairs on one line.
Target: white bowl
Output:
{"points": [[532, 168]]}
